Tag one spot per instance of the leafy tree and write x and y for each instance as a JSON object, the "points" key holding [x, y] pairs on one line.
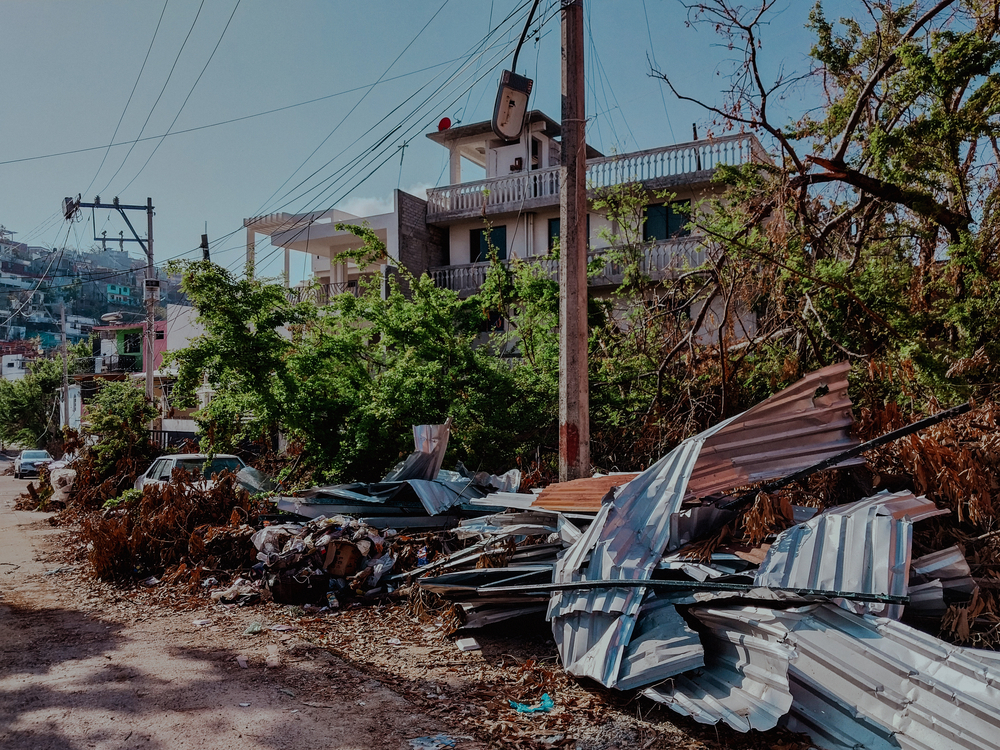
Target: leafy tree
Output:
{"points": [[28, 415], [118, 416]]}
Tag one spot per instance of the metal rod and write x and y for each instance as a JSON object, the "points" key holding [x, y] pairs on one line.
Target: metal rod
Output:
{"points": [[687, 586]]}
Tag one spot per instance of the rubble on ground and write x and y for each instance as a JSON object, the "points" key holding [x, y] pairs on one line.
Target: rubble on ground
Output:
{"points": [[710, 583]]}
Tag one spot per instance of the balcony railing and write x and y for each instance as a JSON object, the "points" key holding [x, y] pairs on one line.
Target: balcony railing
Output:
{"points": [[119, 363], [541, 187], [660, 260], [322, 293]]}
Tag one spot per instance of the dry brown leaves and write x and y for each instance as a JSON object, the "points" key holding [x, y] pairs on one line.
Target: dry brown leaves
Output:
{"points": [[171, 524]]}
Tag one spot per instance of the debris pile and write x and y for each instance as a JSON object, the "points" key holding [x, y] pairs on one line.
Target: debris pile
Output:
{"points": [[793, 620], [167, 526], [417, 493], [332, 561]]}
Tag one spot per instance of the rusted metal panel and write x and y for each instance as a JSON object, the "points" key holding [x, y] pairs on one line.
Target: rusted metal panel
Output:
{"points": [[580, 495]]}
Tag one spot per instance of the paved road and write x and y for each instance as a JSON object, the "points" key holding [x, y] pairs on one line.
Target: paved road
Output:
{"points": [[79, 671]]}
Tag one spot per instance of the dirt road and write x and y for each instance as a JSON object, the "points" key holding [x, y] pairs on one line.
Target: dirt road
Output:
{"points": [[76, 674]]}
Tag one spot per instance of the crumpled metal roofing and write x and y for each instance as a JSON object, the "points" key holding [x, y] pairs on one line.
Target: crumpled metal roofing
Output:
{"points": [[625, 541], [744, 681], [862, 547], [876, 683], [797, 427], [854, 681], [629, 535]]}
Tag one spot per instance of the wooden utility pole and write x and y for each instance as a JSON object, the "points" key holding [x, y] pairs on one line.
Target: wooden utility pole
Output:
{"points": [[574, 385]]}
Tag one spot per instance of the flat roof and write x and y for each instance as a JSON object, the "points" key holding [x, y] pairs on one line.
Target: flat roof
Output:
{"points": [[552, 128]]}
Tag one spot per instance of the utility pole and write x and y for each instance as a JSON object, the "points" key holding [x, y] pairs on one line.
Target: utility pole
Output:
{"points": [[65, 388], [574, 385], [150, 300], [70, 207]]}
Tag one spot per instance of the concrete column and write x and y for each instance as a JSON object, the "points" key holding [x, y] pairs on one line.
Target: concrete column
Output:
{"points": [[251, 251], [454, 166], [288, 268]]}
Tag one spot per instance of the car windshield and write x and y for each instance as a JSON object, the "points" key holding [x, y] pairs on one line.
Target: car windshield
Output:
{"points": [[196, 465], [35, 455]]}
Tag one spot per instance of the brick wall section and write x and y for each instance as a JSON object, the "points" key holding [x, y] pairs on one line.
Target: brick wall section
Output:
{"points": [[420, 246]]}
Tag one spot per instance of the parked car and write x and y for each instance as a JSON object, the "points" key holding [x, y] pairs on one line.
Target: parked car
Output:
{"points": [[199, 464], [28, 462]]}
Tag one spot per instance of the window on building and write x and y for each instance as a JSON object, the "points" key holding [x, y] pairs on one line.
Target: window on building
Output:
{"points": [[160, 335], [132, 343], [479, 251], [554, 229], [666, 220]]}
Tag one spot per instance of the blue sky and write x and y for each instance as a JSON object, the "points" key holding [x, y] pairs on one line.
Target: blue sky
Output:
{"points": [[384, 71]]}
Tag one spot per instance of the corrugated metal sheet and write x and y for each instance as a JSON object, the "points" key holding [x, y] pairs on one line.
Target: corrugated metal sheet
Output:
{"points": [[627, 538], [662, 646], [861, 547], [802, 425], [580, 495], [866, 682], [625, 541], [744, 681]]}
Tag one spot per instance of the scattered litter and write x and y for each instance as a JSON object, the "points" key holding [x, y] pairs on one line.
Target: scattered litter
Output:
{"points": [[150, 582], [281, 628], [545, 705], [253, 628], [394, 642], [286, 691], [58, 571], [437, 742], [242, 661], [201, 623], [273, 660], [317, 705], [467, 644], [244, 705], [360, 703]]}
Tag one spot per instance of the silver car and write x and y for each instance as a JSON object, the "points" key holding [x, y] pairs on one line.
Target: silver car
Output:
{"points": [[198, 464], [28, 462]]}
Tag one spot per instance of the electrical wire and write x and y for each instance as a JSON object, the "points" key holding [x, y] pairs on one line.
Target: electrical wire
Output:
{"points": [[652, 51], [358, 103], [384, 140], [186, 98], [131, 94], [56, 154], [497, 59], [159, 96]]}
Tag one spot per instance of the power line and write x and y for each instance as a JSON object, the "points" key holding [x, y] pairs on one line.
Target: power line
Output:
{"points": [[131, 94], [652, 51], [384, 140], [356, 105], [221, 122], [160, 95], [184, 103]]}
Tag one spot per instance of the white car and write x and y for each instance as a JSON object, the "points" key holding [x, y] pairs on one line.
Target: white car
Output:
{"points": [[28, 462], [163, 468]]}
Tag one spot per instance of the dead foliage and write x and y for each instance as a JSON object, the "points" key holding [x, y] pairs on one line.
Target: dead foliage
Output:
{"points": [[169, 525]]}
